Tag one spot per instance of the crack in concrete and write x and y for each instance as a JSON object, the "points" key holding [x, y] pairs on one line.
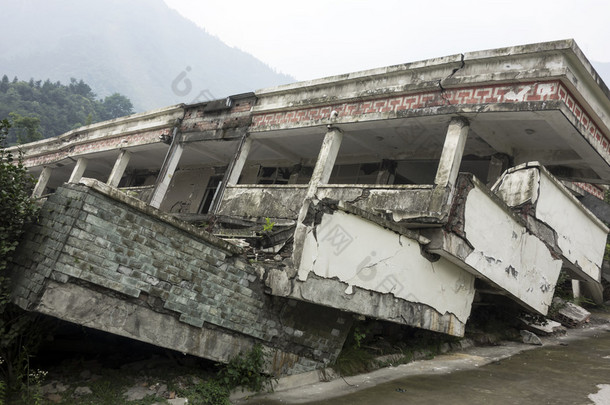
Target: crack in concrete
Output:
{"points": [[453, 72]]}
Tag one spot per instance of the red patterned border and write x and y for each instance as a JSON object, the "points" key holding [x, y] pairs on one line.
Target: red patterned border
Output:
{"points": [[97, 146], [502, 93], [591, 189], [596, 136]]}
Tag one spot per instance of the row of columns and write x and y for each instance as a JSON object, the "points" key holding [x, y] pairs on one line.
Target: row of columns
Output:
{"points": [[79, 169], [446, 175]]}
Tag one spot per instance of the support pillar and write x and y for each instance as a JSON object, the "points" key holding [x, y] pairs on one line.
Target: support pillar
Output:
{"points": [[320, 176], [78, 171], [119, 168], [326, 161], [240, 161], [449, 164], [168, 169], [41, 184]]}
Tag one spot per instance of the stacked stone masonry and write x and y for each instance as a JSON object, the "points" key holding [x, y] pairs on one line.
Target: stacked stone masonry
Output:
{"points": [[88, 238]]}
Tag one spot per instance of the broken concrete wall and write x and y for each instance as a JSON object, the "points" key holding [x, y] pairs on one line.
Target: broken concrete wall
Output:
{"points": [[396, 202], [261, 201], [104, 260], [356, 265], [186, 190], [218, 119], [578, 235], [486, 238]]}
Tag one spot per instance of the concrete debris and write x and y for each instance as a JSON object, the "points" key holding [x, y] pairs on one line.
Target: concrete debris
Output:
{"points": [[544, 328], [80, 391], [530, 338], [136, 393], [54, 398], [53, 388], [570, 314]]}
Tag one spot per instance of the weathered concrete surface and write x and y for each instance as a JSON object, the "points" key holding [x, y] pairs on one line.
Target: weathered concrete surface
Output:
{"points": [[513, 259], [398, 203], [134, 130], [579, 236], [277, 201], [356, 265], [103, 259]]}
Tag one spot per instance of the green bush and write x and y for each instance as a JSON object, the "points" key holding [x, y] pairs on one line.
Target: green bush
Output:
{"points": [[210, 392], [247, 371], [18, 336]]}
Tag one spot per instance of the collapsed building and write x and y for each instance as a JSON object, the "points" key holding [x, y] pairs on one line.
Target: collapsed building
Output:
{"points": [[403, 194]]}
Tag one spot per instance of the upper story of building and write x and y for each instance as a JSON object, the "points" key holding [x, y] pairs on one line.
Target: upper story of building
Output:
{"points": [[529, 124]]}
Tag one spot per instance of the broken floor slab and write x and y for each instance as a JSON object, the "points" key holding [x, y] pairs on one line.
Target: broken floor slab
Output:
{"points": [[557, 217], [359, 266], [487, 239]]}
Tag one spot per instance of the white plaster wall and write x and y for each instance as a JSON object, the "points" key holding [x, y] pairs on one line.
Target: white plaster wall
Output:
{"points": [[519, 187], [363, 254], [581, 239], [505, 253]]}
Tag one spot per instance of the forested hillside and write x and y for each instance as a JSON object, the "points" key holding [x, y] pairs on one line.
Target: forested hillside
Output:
{"points": [[40, 109]]}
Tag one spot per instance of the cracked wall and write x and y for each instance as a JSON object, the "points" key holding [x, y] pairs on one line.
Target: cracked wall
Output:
{"points": [[506, 253], [356, 265], [579, 236], [105, 260]]}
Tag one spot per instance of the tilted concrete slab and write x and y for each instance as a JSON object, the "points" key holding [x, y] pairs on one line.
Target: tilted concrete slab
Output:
{"points": [[360, 266], [100, 258], [557, 217], [487, 239]]}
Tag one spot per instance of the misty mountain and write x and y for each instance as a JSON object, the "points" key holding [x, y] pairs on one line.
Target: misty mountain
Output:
{"points": [[139, 48]]}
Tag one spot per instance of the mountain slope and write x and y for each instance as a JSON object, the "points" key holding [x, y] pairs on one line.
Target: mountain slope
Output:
{"points": [[140, 48]]}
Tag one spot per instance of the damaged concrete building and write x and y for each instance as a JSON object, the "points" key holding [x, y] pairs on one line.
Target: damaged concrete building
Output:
{"points": [[403, 194]]}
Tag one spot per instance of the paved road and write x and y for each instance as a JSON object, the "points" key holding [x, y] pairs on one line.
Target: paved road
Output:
{"points": [[576, 372]]}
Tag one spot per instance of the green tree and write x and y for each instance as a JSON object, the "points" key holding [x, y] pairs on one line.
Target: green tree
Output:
{"points": [[58, 108], [17, 210], [116, 106], [27, 129], [4, 84]]}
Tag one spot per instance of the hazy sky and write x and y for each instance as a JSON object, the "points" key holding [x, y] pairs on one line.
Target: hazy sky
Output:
{"points": [[317, 38]]}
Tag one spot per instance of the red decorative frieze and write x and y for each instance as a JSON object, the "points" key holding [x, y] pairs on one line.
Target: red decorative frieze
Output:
{"points": [[591, 189], [592, 131], [117, 142], [522, 92], [495, 94]]}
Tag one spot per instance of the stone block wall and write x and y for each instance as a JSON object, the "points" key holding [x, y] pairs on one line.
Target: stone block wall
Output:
{"points": [[91, 238]]}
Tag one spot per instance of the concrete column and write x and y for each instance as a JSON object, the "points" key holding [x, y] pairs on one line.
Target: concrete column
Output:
{"points": [[167, 171], [41, 184], [321, 175], [79, 170], [119, 168], [240, 161], [326, 161], [448, 167], [451, 157]]}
